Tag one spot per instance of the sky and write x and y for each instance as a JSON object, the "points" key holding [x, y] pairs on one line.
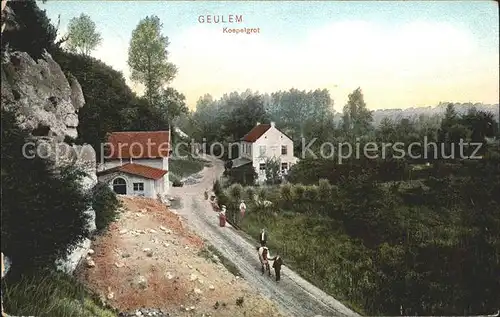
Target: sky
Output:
{"points": [[401, 53]]}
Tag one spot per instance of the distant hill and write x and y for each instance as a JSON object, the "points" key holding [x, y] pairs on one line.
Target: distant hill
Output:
{"points": [[438, 110]]}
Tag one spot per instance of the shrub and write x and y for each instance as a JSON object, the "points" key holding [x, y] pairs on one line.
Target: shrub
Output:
{"points": [[310, 193], [177, 183], [244, 175], [324, 189], [286, 192], [236, 192], [105, 204], [217, 188], [250, 193], [261, 193], [298, 191], [43, 214]]}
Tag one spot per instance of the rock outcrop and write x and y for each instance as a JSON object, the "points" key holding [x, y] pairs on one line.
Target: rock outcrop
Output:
{"points": [[41, 95], [46, 103]]}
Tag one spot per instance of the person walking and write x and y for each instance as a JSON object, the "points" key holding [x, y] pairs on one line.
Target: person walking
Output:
{"points": [[277, 263], [263, 237]]}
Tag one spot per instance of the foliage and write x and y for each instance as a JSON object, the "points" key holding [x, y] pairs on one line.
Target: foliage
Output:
{"points": [[185, 167], [47, 293], [244, 175], [34, 32], [356, 117], [43, 211], [236, 192], [82, 35], [273, 168], [110, 105], [148, 57], [105, 204], [391, 251], [171, 104], [177, 183], [250, 193]]}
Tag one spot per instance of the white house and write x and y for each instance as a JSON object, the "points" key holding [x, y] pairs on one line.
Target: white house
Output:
{"points": [[264, 142], [136, 163]]}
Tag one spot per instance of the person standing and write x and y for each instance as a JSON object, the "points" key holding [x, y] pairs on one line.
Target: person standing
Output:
{"points": [[243, 208], [263, 237]]}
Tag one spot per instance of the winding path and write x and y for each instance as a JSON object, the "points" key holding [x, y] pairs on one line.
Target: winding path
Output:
{"points": [[294, 295]]}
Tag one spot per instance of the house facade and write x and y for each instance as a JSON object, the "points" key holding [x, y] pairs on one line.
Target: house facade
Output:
{"points": [[262, 143], [136, 163]]}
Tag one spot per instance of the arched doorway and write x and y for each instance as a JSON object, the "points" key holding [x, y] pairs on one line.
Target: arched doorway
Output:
{"points": [[120, 186]]}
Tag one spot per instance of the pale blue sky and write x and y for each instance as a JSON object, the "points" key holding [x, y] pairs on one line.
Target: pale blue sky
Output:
{"points": [[402, 54]]}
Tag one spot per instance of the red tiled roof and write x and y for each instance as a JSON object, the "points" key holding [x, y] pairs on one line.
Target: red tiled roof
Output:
{"points": [[256, 132], [141, 144], [138, 170]]}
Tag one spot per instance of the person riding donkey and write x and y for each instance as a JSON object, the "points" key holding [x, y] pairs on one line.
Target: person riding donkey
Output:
{"points": [[264, 259]]}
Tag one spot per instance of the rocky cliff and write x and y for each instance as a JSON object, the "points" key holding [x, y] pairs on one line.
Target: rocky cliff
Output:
{"points": [[46, 102]]}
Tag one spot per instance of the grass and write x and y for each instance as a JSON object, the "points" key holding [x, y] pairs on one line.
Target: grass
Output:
{"points": [[182, 168], [51, 294], [209, 251]]}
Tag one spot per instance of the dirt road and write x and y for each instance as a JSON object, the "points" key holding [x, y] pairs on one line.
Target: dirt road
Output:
{"points": [[294, 295]]}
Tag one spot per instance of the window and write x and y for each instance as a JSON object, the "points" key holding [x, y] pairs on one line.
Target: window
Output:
{"points": [[262, 150], [262, 166], [120, 186], [139, 187], [283, 150], [284, 166]]}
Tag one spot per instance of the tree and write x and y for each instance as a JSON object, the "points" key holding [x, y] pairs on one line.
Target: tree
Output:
{"points": [[171, 104], [148, 57], [34, 33], [244, 113], [356, 118], [273, 175], [82, 35]]}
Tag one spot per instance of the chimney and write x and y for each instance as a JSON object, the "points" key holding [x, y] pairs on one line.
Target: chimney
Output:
{"points": [[258, 123], [273, 124]]}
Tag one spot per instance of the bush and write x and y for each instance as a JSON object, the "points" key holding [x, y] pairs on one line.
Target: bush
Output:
{"points": [[244, 175], [324, 189], [43, 214], [286, 192], [221, 195], [50, 294], [177, 183], [105, 204], [261, 193], [236, 192], [310, 193], [298, 191], [250, 193]]}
